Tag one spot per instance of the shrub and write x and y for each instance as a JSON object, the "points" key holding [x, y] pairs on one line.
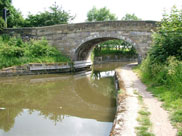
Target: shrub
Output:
{"points": [[13, 51], [167, 41], [162, 69]]}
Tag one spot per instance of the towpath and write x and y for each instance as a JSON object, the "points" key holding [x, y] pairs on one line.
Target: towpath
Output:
{"points": [[127, 110]]}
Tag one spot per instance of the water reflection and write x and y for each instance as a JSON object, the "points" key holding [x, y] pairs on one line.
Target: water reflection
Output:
{"points": [[70, 126], [58, 104]]}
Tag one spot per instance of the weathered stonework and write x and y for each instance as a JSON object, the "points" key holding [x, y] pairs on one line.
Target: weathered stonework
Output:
{"points": [[77, 40], [45, 68]]}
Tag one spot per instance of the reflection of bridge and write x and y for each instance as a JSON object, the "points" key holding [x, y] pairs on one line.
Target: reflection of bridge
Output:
{"points": [[54, 97], [80, 103], [77, 40]]}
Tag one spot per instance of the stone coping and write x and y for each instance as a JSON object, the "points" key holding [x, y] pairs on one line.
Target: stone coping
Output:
{"points": [[45, 68]]}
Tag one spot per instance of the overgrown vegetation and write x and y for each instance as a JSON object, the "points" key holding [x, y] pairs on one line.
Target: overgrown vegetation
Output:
{"points": [[13, 51], [115, 47], [162, 69]]}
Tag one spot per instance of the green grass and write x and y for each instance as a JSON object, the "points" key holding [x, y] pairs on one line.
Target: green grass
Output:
{"points": [[144, 128], [120, 91], [165, 83], [14, 51], [105, 52]]}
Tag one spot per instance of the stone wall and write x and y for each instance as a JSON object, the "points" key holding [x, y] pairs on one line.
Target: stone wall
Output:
{"points": [[77, 40], [44, 68]]}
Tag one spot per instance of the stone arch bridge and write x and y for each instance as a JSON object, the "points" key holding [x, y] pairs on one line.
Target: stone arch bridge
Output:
{"points": [[77, 40]]}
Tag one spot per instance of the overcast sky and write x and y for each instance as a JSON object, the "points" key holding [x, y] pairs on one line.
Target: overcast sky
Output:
{"points": [[145, 9]]}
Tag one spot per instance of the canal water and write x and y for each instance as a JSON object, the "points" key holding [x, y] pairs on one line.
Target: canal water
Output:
{"points": [[81, 104]]}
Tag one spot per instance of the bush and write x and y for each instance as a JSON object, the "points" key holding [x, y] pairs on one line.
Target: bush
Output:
{"points": [[13, 51], [162, 69], [167, 41]]}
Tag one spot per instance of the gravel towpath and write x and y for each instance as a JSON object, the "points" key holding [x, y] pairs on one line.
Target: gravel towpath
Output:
{"points": [[125, 121]]}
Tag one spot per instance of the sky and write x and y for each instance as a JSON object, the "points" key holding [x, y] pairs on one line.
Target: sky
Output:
{"points": [[144, 9]]}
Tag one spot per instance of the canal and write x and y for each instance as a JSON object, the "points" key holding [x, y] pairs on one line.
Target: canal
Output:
{"points": [[59, 104]]}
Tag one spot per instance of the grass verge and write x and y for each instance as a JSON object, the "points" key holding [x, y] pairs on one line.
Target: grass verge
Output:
{"points": [[170, 94]]}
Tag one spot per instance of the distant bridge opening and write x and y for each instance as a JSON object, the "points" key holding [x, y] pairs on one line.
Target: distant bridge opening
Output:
{"points": [[104, 46]]}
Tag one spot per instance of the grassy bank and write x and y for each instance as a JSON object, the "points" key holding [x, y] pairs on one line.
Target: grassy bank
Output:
{"points": [[164, 81], [161, 70], [14, 51]]}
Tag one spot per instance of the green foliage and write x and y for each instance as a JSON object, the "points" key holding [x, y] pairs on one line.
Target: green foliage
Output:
{"points": [[15, 18], [167, 41], [165, 82], [130, 17], [2, 24], [56, 15], [162, 69], [115, 47], [179, 133], [13, 51], [4, 4], [177, 116], [102, 14]]}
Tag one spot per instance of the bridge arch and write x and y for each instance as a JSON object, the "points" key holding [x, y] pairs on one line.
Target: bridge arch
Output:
{"points": [[77, 40], [83, 51]]}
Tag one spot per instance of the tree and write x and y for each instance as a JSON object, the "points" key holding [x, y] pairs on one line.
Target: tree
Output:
{"points": [[119, 46], [15, 18], [128, 17], [167, 40], [4, 4], [56, 15], [102, 14]]}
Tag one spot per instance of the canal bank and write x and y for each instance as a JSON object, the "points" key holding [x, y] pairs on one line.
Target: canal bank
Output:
{"points": [[45, 68], [128, 107]]}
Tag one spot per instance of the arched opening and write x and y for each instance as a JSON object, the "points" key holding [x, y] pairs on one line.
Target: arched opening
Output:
{"points": [[83, 52]]}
